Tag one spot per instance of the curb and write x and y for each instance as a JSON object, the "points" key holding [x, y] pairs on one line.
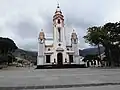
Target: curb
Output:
{"points": [[58, 86]]}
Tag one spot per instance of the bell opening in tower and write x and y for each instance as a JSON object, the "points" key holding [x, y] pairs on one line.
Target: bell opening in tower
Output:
{"points": [[58, 21]]}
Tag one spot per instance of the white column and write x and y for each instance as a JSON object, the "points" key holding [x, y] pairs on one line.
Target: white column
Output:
{"points": [[38, 47], [77, 60], [90, 64], [40, 57], [99, 63], [86, 64], [96, 63]]}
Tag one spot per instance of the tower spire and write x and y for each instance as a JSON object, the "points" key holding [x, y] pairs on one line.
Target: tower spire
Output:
{"points": [[58, 7], [58, 16]]}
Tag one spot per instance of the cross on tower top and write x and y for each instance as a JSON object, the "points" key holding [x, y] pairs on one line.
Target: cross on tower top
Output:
{"points": [[58, 5]]}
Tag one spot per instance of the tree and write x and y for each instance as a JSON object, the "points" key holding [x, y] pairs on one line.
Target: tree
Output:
{"points": [[112, 42], [7, 46], [93, 37], [109, 37]]}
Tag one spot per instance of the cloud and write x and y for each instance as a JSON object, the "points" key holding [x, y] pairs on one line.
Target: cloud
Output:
{"points": [[22, 20]]}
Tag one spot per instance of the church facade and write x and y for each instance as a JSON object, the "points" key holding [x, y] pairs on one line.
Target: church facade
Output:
{"points": [[58, 53]]}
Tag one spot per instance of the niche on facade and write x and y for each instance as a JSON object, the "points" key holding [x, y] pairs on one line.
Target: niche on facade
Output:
{"points": [[65, 60], [54, 60]]}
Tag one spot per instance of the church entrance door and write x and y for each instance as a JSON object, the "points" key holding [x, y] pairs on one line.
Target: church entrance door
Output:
{"points": [[59, 58]]}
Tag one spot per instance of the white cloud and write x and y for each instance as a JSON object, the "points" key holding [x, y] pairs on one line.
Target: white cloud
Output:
{"points": [[21, 20]]}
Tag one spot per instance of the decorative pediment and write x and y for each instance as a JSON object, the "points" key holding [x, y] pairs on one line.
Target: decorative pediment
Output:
{"points": [[59, 49]]}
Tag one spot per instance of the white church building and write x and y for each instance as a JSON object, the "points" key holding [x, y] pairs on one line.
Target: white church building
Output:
{"points": [[59, 53]]}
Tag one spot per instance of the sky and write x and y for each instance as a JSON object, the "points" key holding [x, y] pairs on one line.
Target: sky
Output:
{"points": [[22, 20]]}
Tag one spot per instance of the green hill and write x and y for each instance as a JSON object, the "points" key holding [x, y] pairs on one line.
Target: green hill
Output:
{"points": [[28, 55]]}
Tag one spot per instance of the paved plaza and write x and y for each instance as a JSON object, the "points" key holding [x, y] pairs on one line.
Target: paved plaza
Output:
{"points": [[62, 79]]}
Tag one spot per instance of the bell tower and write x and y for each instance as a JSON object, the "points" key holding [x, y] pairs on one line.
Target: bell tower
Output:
{"points": [[74, 44], [58, 27], [41, 48]]}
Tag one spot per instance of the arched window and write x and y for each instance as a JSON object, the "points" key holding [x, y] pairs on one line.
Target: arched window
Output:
{"points": [[59, 36], [47, 58]]}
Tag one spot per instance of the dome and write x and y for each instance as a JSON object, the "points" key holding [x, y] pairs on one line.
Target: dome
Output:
{"points": [[58, 14], [41, 35], [74, 35]]}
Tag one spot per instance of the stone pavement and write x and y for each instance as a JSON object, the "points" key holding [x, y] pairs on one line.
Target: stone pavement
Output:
{"points": [[58, 78]]}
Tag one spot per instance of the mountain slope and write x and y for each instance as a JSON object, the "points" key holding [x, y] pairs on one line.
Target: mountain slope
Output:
{"points": [[88, 51], [29, 55]]}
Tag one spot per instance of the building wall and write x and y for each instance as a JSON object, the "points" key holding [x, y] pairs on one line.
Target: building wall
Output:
{"points": [[54, 56], [42, 59]]}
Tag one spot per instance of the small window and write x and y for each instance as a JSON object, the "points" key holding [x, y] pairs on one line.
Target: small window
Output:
{"points": [[58, 21], [48, 49], [59, 44], [47, 58], [68, 49]]}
